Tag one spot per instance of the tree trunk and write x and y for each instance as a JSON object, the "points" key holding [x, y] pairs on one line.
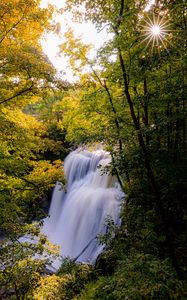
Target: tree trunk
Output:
{"points": [[146, 117], [149, 170], [142, 144]]}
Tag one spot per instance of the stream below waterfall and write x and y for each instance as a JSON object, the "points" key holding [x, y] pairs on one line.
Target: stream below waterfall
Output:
{"points": [[78, 215]]}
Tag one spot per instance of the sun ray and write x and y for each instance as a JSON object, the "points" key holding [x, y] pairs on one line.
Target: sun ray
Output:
{"points": [[154, 31]]}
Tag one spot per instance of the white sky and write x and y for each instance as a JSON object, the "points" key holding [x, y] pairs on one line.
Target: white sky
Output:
{"points": [[50, 42], [87, 32]]}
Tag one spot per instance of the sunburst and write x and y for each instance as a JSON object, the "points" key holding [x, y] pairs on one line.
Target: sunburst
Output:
{"points": [[155, 31]]}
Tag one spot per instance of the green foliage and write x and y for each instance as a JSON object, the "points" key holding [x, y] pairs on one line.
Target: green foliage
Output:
{"points": [[138, 277], [105, 239], [79, 121], [26, 75], [23, 261], [133, 98], [24, 176], [68, 282], [140, 97], [25, 71], [54, 288]]}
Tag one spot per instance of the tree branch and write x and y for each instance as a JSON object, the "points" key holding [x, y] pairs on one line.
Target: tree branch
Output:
{"points": [[18, 94], [147, 162], [13, 26]]}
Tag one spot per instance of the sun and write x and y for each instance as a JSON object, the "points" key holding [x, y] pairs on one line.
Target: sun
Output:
{"points": [[155, 31]]}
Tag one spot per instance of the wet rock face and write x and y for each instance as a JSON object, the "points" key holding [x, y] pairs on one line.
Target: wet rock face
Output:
{"points": [[45, 202], [6, 294]]}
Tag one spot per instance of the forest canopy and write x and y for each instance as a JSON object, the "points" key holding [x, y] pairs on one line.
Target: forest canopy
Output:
{"points": [[132, 98]]}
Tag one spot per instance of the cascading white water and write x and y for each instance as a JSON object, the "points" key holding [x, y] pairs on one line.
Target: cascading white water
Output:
{"points": [[78, 216]]}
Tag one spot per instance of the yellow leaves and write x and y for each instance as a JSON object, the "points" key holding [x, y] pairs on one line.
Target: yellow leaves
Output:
{"points": [[24, 133], [53, 287], [24, 69], [9, 183], [19, 132], [76, 51], [48, 246], [23, 262], [22, 120], [78, 119], [69, 282], [70, 102], [21, 143], [45, 173], [23, 20]]}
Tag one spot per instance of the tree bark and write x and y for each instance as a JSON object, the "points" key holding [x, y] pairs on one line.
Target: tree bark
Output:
{"points": [[115, 115], [146, 116]]}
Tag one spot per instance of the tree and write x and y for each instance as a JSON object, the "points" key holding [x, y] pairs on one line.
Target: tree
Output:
{"points": [[155, 111], [26, 178], [24, 69]]}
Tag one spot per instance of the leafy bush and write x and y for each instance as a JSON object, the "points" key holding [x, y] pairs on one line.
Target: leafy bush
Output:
{"points": [[139, 277], [55, 288], [66, 284]]}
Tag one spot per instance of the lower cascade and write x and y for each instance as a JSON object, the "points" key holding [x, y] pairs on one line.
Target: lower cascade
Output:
{"points": [[77, 216]]}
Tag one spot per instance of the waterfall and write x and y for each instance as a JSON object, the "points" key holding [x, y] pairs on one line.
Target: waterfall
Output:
{"points": [[77, 216]]}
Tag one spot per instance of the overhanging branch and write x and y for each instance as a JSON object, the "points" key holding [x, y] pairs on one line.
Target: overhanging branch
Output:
{"points": [[18, 94]]}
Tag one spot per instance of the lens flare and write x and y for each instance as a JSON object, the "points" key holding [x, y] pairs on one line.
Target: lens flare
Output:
{"points": [[155, 31]]}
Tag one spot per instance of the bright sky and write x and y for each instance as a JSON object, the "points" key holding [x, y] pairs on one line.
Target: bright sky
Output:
{"points": [[87, 32], [50, 42]]}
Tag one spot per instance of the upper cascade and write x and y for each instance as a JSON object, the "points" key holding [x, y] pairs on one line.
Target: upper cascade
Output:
{"points": [[80, 163]]}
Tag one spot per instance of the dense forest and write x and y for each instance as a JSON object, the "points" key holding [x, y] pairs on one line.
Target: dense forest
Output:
{"points": [[131, 97]]}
